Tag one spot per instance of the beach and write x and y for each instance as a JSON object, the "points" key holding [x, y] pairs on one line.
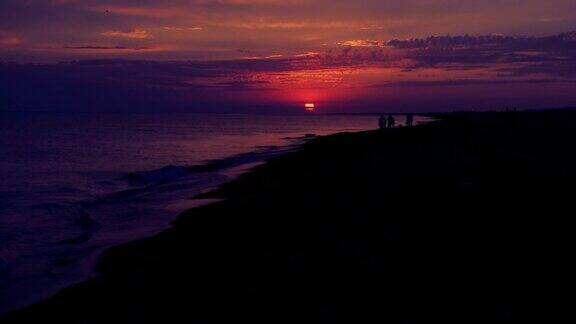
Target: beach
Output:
{"points": [[75, 184], [461, 220]]}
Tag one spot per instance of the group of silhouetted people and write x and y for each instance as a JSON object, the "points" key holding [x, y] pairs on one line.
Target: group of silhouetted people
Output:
{"points": [[390, 122]]}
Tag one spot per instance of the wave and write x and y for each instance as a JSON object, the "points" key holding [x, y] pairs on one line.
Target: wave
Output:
{"points": [[172, 172], [163, 174], [59, 237]]}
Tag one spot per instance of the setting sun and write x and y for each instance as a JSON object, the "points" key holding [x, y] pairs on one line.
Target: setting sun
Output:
{"points": [[310, 107]]}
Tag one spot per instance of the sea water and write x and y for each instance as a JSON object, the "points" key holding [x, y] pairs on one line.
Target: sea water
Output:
{"points": [[74, 184]]}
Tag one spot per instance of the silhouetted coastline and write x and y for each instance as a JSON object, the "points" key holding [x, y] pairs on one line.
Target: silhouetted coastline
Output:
{"points": [[462, 220]]}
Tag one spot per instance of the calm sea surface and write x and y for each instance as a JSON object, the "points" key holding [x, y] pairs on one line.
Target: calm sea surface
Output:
{"points": [[73, 184]]}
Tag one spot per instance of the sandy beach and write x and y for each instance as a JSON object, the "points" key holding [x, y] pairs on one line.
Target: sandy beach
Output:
{"points": [[462, 220]]}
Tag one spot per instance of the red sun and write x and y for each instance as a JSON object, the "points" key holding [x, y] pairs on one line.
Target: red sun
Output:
{"points": [[310, 107]]}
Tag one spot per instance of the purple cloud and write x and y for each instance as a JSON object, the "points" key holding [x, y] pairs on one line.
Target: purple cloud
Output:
{"points": [[457, 65]]}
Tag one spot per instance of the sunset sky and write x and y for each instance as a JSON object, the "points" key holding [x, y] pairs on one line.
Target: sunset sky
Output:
{"points": [[244, 55]]}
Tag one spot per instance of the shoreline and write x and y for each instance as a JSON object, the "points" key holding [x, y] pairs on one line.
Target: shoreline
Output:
{"points": [[85, 268], [352, 226], [132, 184]]}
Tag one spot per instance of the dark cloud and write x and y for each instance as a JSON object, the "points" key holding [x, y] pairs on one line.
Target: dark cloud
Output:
{"points": [[560, 41], [95, 47], [554, 55], [468, 82], [215, 29], [450, 63]]}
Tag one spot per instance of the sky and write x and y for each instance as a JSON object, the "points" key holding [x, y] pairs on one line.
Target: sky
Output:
{"points": [[273, 55]]}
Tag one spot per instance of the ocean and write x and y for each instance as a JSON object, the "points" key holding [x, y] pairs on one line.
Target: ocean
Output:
{"points": [[74, 184]]}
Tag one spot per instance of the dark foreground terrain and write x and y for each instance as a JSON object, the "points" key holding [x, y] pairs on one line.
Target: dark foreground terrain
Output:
{"points": [[465, 220]]}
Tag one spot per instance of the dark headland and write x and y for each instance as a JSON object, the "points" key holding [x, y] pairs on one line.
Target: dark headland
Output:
{"points": [[463, 220]]}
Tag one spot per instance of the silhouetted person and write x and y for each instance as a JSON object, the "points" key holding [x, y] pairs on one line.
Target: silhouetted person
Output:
{"points": [[382, 122], [391, 121], [409, 120]]}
